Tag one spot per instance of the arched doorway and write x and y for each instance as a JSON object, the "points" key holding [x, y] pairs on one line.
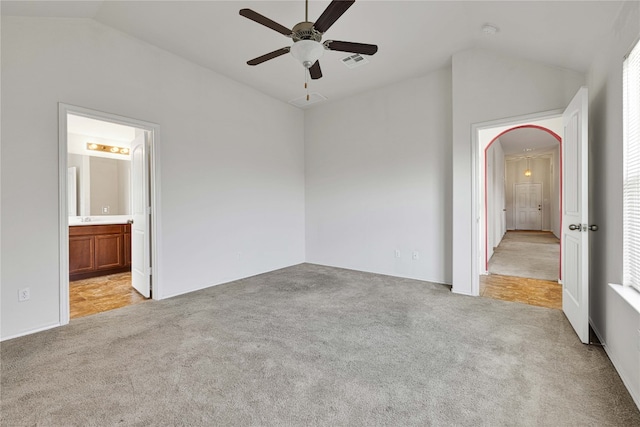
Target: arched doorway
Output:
{"points": [[521, 215]]}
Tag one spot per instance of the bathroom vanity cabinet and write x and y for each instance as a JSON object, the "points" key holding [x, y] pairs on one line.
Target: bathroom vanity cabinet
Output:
{"points": [[97, 250]]}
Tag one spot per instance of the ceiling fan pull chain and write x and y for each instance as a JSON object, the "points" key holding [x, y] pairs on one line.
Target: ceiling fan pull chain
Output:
{"points": [[306, 81]]}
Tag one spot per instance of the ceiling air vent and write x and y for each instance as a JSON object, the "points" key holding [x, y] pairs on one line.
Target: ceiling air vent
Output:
{"points": [[314, 98], [353, 61]]}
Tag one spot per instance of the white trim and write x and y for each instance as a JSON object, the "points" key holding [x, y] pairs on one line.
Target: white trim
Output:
{"points": [[63, 219], [476, 181], [29, 332], [628, 293], [453, 291], [614, 361], [156, 244]]}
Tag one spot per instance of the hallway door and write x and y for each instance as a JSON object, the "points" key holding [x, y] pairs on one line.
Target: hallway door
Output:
{"points": [[575, 215], [528, 206]]}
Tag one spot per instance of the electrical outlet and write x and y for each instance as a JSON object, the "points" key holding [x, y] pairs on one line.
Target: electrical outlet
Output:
{"points": [[415, 255], [106, 209], [24, 294], [397, 253]]}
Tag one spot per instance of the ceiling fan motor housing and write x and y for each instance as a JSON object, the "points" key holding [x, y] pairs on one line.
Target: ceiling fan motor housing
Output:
{"points": [[305, 31]]}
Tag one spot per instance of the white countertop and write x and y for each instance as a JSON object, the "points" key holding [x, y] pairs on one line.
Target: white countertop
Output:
{"points": [[99, 220]]}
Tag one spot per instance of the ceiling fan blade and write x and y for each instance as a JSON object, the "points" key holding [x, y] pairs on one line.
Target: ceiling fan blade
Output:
{"points": [[315, 71], [365, 49], [268, 56], [260, 19], [331, 14]]}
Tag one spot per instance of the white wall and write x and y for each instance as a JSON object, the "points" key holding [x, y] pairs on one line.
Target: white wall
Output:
{"points": [[378, 178], [555, 192], [124, 187], [232, 160], [613, 319], [486, 87], [77, 161], [496, 223]]}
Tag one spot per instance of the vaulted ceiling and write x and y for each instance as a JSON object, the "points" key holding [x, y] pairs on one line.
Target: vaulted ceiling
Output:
{"points": [[414, 37]]}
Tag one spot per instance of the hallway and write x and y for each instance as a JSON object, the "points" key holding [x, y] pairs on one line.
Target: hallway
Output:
{"points": [[530, 254], [525, 268]]}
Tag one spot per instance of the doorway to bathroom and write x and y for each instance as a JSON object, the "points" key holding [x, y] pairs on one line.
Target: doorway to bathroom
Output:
{"points": [[108, 212]]}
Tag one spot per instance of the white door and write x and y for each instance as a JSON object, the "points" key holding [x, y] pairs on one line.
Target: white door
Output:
{"points": [[575, 210], [529, 206], [140, 207]]}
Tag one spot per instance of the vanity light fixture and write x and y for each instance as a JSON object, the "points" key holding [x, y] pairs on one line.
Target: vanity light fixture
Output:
{"points": [[107, 148]]}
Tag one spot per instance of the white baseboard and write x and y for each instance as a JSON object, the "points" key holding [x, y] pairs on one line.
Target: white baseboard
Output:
{"points": [[29, 332], [463, 293], [616, 364]]}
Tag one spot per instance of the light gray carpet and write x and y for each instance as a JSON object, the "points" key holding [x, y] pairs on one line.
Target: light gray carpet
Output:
{"points": [[312, 345], [535, 255]]}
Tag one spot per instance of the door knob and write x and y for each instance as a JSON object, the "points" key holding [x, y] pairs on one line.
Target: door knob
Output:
{"points": [[593, 227], [575, 227]]}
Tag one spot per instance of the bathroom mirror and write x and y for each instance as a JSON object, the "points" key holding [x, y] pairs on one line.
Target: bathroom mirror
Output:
{"points": [[102, 186]]}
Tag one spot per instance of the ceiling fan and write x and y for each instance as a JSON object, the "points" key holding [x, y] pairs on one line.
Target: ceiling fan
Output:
{"points": [[307, 36]]}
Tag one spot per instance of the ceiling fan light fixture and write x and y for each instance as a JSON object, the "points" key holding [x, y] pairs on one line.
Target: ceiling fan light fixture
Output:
{"points": [[307, 52]]}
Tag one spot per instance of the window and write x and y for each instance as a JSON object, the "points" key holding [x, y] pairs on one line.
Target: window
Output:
{"points": [[631, 185]]}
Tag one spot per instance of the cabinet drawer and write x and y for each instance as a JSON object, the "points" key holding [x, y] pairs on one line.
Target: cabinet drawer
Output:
{"points": [[91, 230]]}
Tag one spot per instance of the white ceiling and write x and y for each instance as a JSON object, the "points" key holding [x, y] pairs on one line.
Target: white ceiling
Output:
{"points": [[414, 37], [99, 129], [517, 141]]}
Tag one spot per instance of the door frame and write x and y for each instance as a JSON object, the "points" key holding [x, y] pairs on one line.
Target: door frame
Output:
{"points": [[63, 219], [515, 198], [478, 154]]}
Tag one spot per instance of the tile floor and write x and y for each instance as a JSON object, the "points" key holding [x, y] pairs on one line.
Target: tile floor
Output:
{"points": [[543, 293], [98, 294]]}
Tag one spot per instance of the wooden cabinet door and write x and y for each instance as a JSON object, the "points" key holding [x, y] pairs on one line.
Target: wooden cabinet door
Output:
{"points": [[109, 253], [81, 254]]}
